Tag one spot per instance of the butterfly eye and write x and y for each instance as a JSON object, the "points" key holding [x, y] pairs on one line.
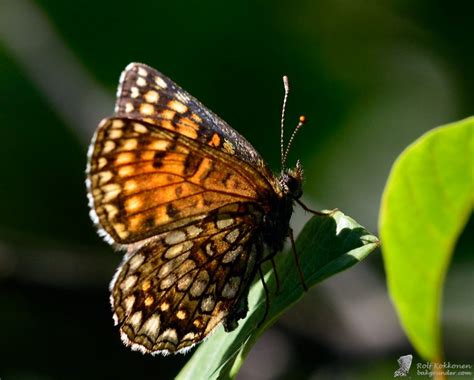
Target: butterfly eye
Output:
{"points": [[292, 181], [294, 187]]}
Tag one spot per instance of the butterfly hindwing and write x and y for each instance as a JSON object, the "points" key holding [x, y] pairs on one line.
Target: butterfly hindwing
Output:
{"points": [[174, 290]]}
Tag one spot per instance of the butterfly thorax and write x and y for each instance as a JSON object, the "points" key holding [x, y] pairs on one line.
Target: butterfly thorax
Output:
{"points": [[277, 220]]}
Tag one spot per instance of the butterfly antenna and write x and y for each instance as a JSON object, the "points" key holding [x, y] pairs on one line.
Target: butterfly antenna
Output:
{"points": [[295, 131], [282, 127]]}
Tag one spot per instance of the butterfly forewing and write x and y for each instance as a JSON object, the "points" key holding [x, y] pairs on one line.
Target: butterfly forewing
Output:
{"points": [[145, 180], [173, 291], [146, 94]]}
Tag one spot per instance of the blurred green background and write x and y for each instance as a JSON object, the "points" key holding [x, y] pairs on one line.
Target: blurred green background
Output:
{"points": [[370, 77]]}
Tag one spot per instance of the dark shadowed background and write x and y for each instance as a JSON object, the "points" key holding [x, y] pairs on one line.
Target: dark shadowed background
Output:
{"points": [[369, 76]]}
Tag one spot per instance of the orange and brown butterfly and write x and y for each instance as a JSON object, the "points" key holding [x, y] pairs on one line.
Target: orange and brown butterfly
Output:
{"points": [[193, 206]]}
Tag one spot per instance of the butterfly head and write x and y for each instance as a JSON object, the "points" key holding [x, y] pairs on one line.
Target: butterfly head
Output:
{"points": [[291, 181]]}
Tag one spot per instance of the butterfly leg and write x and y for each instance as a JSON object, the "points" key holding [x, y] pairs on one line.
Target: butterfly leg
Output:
{"points": [[271, 257], [297, 259], [267, 297], [277, 278], [314, 212]]}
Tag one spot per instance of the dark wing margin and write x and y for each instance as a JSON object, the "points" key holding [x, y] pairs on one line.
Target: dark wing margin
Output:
{"points": [[174, 291]]}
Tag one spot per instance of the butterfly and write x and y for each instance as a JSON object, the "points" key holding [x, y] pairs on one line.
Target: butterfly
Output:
{"points": [[192, 204]]}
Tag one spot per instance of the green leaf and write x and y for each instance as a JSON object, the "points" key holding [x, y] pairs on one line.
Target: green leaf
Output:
{"points": [[327, 245], [427, 201]]}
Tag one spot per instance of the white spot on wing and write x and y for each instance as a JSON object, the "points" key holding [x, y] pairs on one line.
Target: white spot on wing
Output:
{"points": [[176, 250], [177, 106], [134, 92], [189, 336], [136, 261], [129, 107], [160, 82], [231, 287], [129, 301], [232, 236], [193, 231], [147, 109], [185, 281], [141, 82], [142, 72], [130, 67], [230, 256], [208, 303], [223, 223], [151, 96], [136, 318], [199, 284], [170, 335], [128, 283], [175, 237], [169, 266], [152, 326], [168, 281], [109, 146]]}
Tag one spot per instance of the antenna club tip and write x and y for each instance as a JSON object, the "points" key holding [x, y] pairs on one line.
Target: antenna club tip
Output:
{"points": [[302, 119], [286, 84]]}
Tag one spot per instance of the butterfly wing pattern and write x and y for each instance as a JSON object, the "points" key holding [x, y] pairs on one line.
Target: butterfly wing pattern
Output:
{"points": [[188, 281], [146, 94], [188, 199]]}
